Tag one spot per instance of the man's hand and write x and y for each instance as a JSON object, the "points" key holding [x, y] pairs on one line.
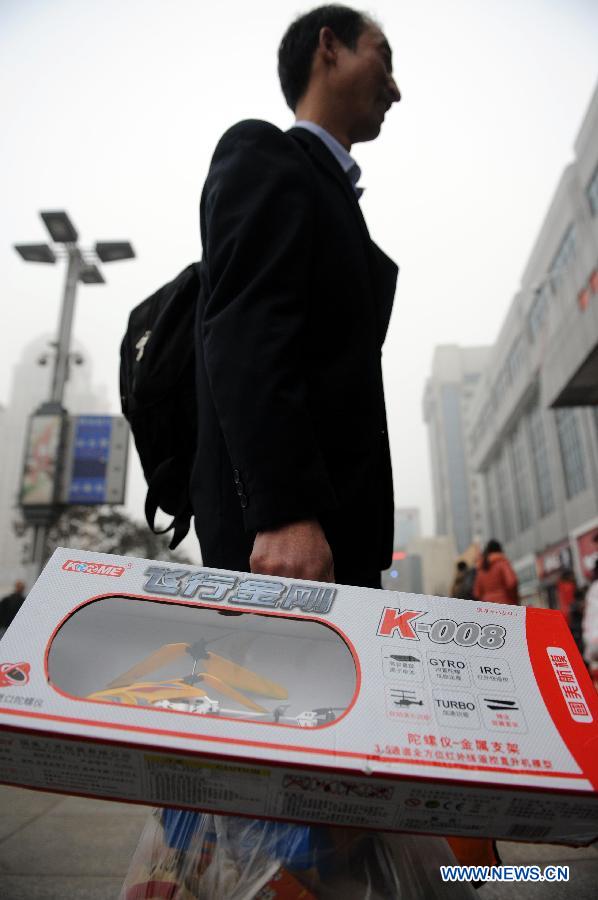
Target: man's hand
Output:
{"points": [[297, 550]]}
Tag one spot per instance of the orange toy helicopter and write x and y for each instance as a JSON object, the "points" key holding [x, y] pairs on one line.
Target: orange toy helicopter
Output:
{"points": [[183, 694]]}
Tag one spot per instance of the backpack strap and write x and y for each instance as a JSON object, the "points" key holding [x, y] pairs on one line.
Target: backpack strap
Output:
{"points": [[181, 522]]}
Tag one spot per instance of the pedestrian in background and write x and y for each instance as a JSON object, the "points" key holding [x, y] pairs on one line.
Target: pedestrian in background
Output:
{"points": [[10, 605], [495, 580], [565, 592], [462, 587], [576, 611], [590, 627]]}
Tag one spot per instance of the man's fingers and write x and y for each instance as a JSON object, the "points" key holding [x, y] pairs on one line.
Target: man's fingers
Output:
{"points": [[297, 550]]}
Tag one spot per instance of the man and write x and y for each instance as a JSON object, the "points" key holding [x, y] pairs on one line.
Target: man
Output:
{"points": [[10, 605], [292, 475]]}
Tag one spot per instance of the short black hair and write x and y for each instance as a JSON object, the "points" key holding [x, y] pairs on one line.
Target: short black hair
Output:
{"points": [[297, 48], [493, 546]]}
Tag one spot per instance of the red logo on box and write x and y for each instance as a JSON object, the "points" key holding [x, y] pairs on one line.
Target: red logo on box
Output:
{"points": [[394, 620], [12, 674], [92, 568]]}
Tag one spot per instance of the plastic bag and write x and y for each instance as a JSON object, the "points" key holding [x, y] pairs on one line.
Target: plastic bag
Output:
{"points": [[198, 856]]}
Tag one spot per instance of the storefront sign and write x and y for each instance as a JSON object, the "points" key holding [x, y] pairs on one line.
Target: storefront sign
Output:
{"points": [[587, 548], [552, 561]]}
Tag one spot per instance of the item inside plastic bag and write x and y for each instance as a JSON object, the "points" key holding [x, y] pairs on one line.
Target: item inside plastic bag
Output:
{"points": [[199, 856]]}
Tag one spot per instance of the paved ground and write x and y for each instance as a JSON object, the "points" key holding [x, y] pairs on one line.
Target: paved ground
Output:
{"points": [[54, 847], [67, 848]]}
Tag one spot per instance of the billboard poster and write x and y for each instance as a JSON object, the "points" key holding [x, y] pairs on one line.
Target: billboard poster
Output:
{"points": [[38, 487], [90, 459], [95, 460]]}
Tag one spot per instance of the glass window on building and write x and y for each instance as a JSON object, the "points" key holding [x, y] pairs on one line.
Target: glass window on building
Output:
{"points": [[504, 497], [492, 502], [456, 465], [523, 503], [478, 435], [538, 311], [540, 459], [480, 428], [516, 359], [564, 254], [503, 382], [571, 451], [593, 192]]}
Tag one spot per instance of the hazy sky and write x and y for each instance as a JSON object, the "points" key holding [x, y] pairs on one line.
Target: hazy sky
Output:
{"points": [[111, 109]]}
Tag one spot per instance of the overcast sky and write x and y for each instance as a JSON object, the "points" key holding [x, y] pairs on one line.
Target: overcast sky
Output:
{"points": [[111, 109]]}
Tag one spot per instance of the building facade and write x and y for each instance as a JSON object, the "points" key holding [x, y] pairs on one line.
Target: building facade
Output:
{"points": [[407, 526], [405, 570], [447, 405], [437, 563], [534, 430]]}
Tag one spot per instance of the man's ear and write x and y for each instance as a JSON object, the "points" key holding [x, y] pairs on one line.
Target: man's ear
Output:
{"points": [[328, 45]]}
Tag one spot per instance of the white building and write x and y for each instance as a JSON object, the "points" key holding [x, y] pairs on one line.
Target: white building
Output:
{"points": [[407, 526], [30, 386], [534, 430], [448, 396], [437, 561]]}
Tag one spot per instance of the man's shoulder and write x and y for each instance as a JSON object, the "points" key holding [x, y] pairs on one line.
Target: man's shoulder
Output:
{"points": [[258, 147], [253, 126], [254, 131]]}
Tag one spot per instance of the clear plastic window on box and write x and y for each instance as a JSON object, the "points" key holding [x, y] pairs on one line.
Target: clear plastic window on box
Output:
{"points": [[203, 661]]}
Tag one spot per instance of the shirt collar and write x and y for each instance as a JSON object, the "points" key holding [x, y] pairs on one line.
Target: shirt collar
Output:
{"points": [[342, 156]]}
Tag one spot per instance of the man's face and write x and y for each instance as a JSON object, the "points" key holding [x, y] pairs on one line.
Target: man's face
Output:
{"points": [[364, 84]]}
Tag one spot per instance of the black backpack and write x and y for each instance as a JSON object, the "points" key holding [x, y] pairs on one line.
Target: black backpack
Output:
{"points": [[158, 397]]}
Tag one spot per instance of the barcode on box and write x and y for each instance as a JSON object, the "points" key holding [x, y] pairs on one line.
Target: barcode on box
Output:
{"points": [[528, 831]]}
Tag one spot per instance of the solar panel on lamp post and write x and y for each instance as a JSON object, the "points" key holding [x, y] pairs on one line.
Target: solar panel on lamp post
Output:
{"points": [[36, 253], [111, 251], [60, 227]]}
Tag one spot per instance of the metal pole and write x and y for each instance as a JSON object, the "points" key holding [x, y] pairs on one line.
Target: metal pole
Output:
{"points": [[59, 378], [38, 551], [61, 361]]}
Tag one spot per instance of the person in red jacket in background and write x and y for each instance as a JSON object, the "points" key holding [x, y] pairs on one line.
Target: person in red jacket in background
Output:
{"points": [[495, 581], [566, 589]]}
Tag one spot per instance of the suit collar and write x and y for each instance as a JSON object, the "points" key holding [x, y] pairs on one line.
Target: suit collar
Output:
{"points": [[324, 157], [342, 156]]}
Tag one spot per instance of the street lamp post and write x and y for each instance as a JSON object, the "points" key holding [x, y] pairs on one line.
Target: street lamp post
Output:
{"points": [[81, 266], [63, 342]]}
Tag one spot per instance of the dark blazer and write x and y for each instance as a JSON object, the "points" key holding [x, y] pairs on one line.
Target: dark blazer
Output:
{"points": [[295, 306]]}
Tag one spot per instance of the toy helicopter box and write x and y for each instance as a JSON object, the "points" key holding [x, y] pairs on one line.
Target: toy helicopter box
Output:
{"points": [[241, 694]]}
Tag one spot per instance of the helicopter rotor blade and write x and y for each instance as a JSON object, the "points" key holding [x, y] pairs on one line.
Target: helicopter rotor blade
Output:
{"points": [[151, 691], [229, 691], [161, 657], [239, 677]]}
